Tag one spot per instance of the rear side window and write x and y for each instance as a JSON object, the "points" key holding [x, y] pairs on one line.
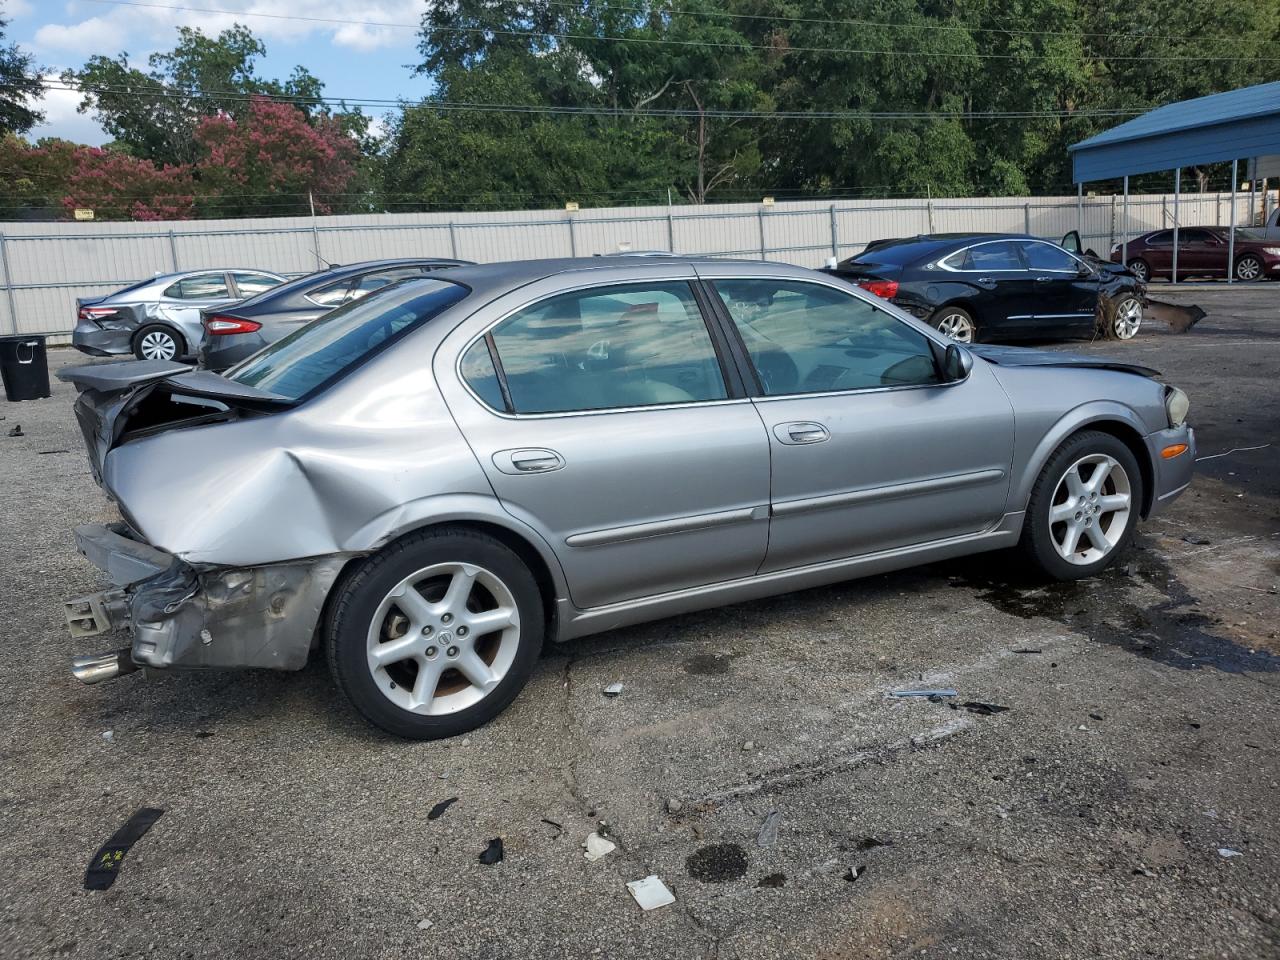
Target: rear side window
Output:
{"points": [[630, 345], [320, 352], [207, 286], [1002, 255], [252, 284], [376, 281], [331, 294], [1162, 239]]}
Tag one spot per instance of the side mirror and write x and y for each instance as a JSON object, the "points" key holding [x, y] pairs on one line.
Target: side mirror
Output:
{"points": [[956, 364]]}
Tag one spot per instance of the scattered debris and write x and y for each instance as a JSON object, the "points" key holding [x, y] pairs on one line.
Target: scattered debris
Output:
{"points": [[1180, 319], [1228, 852], [425, 924], [749, 745], [768, 834], [981, 709], [1196, 540], [1096, 716], [105, 865], [551, 823], [1029, 650], [17, 431], [674, 805], [436, 812], [613, 689], [717, 863], [109, 736], [1143, 871], [870, 843], [853, 873], [650, 893], [597, 847], [773, 880], [929, 694], [492, 853], [45, 453], [1212, 456]]}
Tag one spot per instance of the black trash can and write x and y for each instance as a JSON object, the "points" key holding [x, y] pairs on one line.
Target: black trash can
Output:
{"points": [[24, 368]]}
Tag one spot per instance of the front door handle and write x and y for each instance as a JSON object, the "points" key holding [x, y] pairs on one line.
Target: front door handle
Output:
{"points": [[801, 432], [1043, 279], [527, 460]]}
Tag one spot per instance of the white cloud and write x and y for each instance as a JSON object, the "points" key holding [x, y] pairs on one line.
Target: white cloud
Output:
{"points": [[362, 25], [62, 120], [16, 9]]}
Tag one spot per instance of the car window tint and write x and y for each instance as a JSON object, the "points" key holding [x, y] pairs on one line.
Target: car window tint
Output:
{"points": [[1045, 256], [479, 372], [629, 345], [252, 284], [206, 286], [321, 351], [1162, 239], [376, 281], [994, 256], [1195, 237], [810, 338], [959, 260], [332, 294]]}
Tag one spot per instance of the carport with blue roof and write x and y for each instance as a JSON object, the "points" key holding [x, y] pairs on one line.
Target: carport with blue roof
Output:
{"points": [[1239, 124]]}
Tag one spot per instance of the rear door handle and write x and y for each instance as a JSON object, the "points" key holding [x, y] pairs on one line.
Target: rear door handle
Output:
{"points": [[528, 460], [801, 432], [1043, 279]]}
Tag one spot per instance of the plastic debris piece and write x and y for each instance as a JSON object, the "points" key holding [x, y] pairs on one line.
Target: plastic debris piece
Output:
{"points": [[436, 812], [425, 924], [559, 827], [749, 745], [1141, 871], [853, 873], [597, 847], [105, 865], [928, 694], [651, 893], [613, 689], [492, 853], [981, 709], [109, 736], [1196, 540], [768, 834], [1228, 852], [17, 431], [1029, 650], [674, 805]]}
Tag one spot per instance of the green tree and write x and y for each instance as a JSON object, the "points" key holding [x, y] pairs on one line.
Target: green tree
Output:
{"points": [[19, 85]]}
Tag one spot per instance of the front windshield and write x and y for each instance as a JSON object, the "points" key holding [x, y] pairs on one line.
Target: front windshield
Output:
{"points": [[322, 350]]}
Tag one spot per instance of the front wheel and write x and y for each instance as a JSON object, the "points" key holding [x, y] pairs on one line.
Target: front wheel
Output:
{"points": [[956, 323], [437, 634], [1084, 506], [1124, 319], [1249, 268]]}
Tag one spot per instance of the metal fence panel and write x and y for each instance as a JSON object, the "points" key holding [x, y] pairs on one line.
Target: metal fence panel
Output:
{"points": [[48, 265]]}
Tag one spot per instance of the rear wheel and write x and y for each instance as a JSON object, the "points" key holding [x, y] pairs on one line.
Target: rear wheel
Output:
{"points": [[157, 342], [1084, 506], [1140, 269], [437, 634], [1249, 268], [956, 323]]}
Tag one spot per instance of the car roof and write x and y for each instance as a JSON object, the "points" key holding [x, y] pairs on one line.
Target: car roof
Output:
{"points": [[902, 250]]}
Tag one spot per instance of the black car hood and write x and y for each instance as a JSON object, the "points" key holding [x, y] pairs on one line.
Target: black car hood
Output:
{"points": [[1025, 357]]}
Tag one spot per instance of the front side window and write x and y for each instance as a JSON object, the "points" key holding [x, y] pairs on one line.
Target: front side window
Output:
{"points": [[207, 286], [810, 338], [323, 350], [630, 345], [1045, 256]]}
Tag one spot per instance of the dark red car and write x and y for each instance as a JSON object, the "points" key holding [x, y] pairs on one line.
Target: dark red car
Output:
{"points": [[1202, 252]]}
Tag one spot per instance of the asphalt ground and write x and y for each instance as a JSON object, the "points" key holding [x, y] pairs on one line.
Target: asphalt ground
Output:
{"points": [[1086, 820]]}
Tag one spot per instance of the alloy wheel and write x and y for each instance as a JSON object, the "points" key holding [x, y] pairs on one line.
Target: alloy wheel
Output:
{"points": [[158, 345], [956, 326], [1248, 268], [443, 638], [1128, 319], [1139, 269], [1091, 507]]}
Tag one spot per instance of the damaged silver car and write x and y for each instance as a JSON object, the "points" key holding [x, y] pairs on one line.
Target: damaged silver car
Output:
{"points": [[430, 483]]}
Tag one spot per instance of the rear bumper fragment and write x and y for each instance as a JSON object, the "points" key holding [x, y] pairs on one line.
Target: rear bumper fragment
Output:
{"points": [[181, 617]]}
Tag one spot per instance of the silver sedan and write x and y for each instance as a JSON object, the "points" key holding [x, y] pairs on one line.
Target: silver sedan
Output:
{"points": [[432, 482], [159, 318]]}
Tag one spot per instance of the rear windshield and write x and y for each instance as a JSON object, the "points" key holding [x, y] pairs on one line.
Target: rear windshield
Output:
{"points": [[320, 352]]}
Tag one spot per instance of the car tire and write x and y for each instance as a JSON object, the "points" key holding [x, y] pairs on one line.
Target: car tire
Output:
{"points": [[1069, 522], [411, 616], [155, 341], [956, 323], [1139, 268], [1249, 268], [1123, 320]]}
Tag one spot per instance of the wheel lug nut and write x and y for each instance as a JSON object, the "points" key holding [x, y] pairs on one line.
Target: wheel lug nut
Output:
{"points": [[453, 651], [426, 631], [461, 631], [447, 618], [431, 651]]}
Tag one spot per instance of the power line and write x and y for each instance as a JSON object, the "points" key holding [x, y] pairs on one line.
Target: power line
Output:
{"points": [[447, 106], [665, 41]]}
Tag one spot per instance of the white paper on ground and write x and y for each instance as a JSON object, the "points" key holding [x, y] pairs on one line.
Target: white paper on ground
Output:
{"points": [[651, 893]]}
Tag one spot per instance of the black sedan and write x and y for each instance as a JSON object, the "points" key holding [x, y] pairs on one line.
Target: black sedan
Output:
{"points": [[993, 286], [242, 329]]}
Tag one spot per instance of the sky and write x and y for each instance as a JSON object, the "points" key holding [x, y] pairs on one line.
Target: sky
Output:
{"points": [[354, 52]]}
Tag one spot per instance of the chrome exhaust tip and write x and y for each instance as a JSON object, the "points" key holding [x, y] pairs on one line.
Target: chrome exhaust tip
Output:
{"points": [[103, 666]]}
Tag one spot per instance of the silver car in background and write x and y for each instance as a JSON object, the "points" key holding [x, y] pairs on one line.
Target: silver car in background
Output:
{"points": [[159, 319], [431, 482]]}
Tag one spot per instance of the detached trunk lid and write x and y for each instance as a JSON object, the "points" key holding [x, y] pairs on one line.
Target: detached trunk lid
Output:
{"points": [[142, 397]]}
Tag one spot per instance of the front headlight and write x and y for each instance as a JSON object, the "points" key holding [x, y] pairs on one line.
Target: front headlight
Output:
{"points": [[1177, 404]]}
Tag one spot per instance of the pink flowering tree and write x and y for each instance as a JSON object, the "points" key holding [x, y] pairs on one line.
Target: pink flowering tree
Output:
{"points": [[268, 161], [117, 186]]}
